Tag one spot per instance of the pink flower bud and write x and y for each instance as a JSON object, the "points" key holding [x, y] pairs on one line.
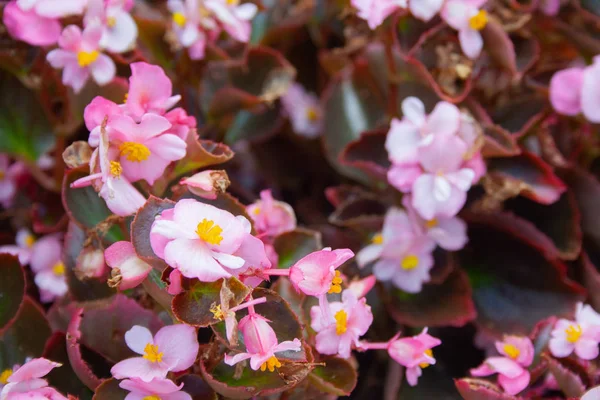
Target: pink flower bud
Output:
{"points": [[207, 184]]}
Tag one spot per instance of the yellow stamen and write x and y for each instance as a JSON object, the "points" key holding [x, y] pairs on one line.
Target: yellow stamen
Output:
{"points": [[336, 283], [232, 2], [179, 19], [377, 239], [271, 364], [152, 354], [512, 351], [410, 262], [573, 333], [208, 231], [5, 375], [125, 97], [215, 309], [2, 175], [111, 22], [479, 20], [29, 240], [432, 223], [135, 152], [58, 269], [429, 353], [341, 322], [115, 169], [312, 114], [153, 397], [85, 58], [256, 211]]}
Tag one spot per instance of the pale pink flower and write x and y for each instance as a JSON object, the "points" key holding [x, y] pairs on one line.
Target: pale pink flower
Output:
{"points": [[376, 11], [271, 217], [205, 242], [234, 17], [8, 179], [207, 184], [181, 122], [173, 348], [425, 9], [157, 388], [580, 336], [513, 375], [550, 7], [590, 97], [316, 275], [565, 90], [466, 17], [261, 344], [79, 56], [193, 25], [119, 30], [414, 353], [30, 27], [592, 394], [352, 318], [26, 382], [23, 246], [304, 111], [128, 269], [53, 8], [224, 313], [47, 265]]}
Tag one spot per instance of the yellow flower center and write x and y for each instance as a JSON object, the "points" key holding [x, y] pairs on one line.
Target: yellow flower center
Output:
{"points": [[58, 269], [152, 354], [179, 19], [215, 309], [5, 375], [133, 151], [85, 58], [125, 97], [429, 353], [2, 175], [111, 22], [432, 223], [29, 240], [153, 397], [115, 169], [210, 232], [511, 351], [479, 20], [232, 2], [271, 364], [573, 333], [377, 239], [409, 262], [336, 283], [312, 114], [341, 322], [256, 211]]}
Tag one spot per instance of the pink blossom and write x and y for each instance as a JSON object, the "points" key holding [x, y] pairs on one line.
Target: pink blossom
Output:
{"points": [[235, 18], [157, 388], [550, 7], [207, 184], [224, 313], [271, 217], [517, 354], [23, 247], [565, 91], [26, 382], [352, 319], [581, 336], [128, 269], [261, 344], [181, 122], [414, 353], [425, 9], [304, 111], [466, 17], [193, 26], [205, 242], [8, 179], [592, 394], [590, 98], [53, 8], [361, 287], [47, 265], [30, 27], [316, 275], [173, 348], [175, 283], [119, 31], [376, 11], [79, 56]]}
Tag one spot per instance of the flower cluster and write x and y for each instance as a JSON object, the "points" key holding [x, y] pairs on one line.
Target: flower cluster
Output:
{"points": [[580, 336], [25, 382]]}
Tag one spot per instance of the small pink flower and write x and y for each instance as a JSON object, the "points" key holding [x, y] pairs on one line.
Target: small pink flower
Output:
{"points": [[304, 111], [414, 353], [590, 98], [157, 388], [376, 11], [234, 17], [207, 184], [352, 319], [23, 247], [27, 383], [466, 17], [316, 275], [550, 7], [261, 344], [513, 376], [128, 269], [205, 242], [581, 336], [425, 9], [79, 56], [119, 31], [173, 348], [193, 26], [47, 265], [8, 179], [181, 122], [565, 91], [53, 8], [29, 26], [271, 217]]}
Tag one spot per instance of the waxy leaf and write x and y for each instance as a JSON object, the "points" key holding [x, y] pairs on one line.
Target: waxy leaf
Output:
{"points": [[201, 153], [337, 377], [110, 390], [571, 377], [480, 389], [12, 289], [368, 153], [293, 245]]}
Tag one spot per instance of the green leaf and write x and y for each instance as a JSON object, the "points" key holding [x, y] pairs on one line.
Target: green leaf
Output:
{"points": [[337, 377], [110, 390], [293, 245], [12, 289]]}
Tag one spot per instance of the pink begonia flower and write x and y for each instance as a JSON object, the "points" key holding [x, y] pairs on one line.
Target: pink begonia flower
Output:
{"points": [[79, 56], [181, 122], [127, 266], [8, 179], [592, 394], [549, 7], [53, 8], [30, 27], [207, 184], [26, 382], [163, 389], [304, 111], [173, 348], [414, 353], [425, 9], [466, 17], [205, 242], [261, 344], [234, 17], [590, 98], [90, 263], [565, 91], [361, 287], [224, 313], [47, 265], [581, 336], [316, 275], [352, 319], [174, 283], [22, 249], [119, 30], [271, 217], [193, 26], [512, 371], [376, 11]]}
